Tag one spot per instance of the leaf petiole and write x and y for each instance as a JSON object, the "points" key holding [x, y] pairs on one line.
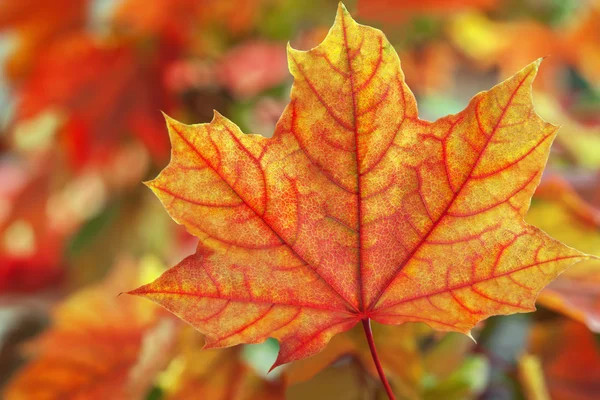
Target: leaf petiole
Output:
{"points": [[369, 334]]}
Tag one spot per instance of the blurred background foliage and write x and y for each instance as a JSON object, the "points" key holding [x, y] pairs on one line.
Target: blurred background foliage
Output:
{"points": [[82, 84]]}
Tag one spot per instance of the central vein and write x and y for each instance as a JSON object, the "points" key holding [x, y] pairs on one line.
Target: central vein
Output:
{"points": [[361, 297]]}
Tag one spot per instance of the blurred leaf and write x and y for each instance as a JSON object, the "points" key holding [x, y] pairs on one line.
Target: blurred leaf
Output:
{"points": [[429, 68], [37, 24], [532, 378], [400, 10], [583, 42], [106, 91], [344, 381], [466, 382], [100, 346], [570, 359], [581, 142], [398, 347], [446, 356], [30, 244], [253, 67], [510, 44], [155, 394], [214, 374], [90, 230]]}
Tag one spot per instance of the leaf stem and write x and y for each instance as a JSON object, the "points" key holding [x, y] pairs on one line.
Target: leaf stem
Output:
{"points": [[369, 334]]}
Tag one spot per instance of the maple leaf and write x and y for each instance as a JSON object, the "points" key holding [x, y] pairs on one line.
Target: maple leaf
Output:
{"points": [[99, 346], [356, 209]]}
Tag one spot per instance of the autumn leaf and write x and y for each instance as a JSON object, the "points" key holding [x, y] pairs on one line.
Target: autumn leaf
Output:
{"points": [[36, 25], [500, 45], [561, 212], [105, 92], [99, 346], [177, 21], [357, 210]]}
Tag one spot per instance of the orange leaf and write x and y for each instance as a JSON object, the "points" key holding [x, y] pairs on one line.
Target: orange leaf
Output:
{"points": [[99, 347], [356, 209]]}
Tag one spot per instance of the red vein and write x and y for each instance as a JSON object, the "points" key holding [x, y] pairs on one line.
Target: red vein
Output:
{"points": [[358, 166], [254, 300], [514, 162], [316, 334], [375, 69], [247, 325], [318, 95], [486, 296], [452, 200], [304, 151], [195, 202], [471, 283], [498, 203], [262, 219]]}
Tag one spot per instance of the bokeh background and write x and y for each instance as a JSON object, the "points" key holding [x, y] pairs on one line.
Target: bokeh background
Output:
{"points": [[82, 84]]}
